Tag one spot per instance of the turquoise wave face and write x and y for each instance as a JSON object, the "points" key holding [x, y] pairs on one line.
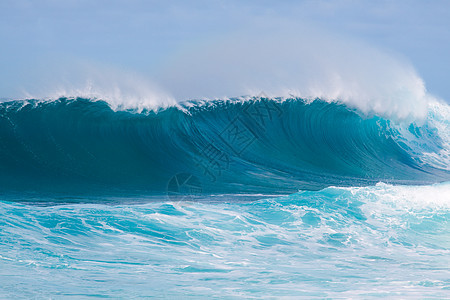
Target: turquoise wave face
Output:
{"points": [[185, 202], [384, 240], [258, 146]]}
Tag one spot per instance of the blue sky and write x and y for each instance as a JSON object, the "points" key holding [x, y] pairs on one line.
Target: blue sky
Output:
{"points": [[42, 42]]}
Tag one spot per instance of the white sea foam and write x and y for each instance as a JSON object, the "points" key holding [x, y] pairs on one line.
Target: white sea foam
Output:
{"points": [[431, 144], [436, 196], [439, 118], [122, 89]]}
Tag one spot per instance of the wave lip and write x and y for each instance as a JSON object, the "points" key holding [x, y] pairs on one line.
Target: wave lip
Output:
{"points": [[259, 145]]}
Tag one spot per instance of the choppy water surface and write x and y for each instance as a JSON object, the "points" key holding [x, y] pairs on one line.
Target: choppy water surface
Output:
{"points": [[339, 242]]}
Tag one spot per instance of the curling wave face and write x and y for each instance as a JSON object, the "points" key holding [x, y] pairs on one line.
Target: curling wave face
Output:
{"points": [[255, 146]]}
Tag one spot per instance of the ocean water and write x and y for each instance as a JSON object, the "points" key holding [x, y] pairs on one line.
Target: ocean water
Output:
{"points": [[255, 198]]}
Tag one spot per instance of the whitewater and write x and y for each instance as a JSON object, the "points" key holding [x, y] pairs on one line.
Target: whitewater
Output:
{"points": [[266, 197]]}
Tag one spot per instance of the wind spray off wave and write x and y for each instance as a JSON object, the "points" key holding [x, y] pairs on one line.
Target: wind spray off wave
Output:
{"points": [[300, 62]]}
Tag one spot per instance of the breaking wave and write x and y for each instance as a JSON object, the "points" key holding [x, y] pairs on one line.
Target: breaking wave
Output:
{"points": [[257, 145]]}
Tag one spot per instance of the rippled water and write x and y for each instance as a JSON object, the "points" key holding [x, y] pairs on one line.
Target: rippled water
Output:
{"points": [[381, 241]]}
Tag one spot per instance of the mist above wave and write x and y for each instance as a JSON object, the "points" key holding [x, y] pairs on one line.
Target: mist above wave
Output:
{"points": [[283, 61], [300, 62]]}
